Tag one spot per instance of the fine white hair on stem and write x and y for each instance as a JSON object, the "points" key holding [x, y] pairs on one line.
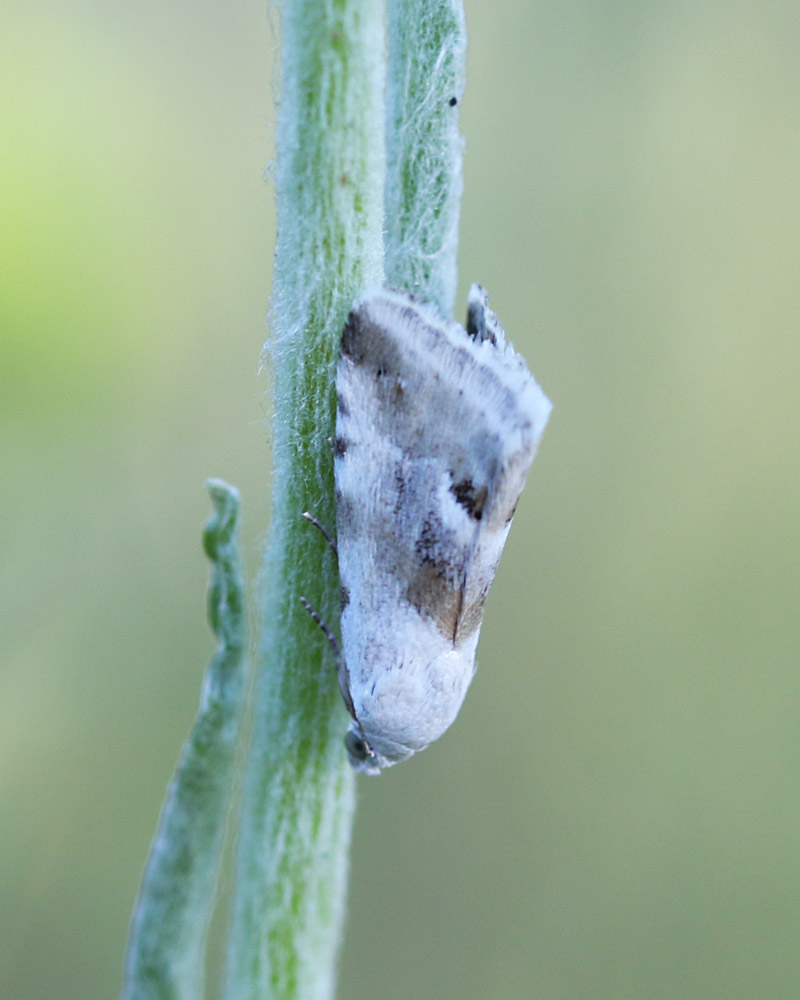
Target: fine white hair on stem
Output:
{"points": [[298, 792], [425, 84]]}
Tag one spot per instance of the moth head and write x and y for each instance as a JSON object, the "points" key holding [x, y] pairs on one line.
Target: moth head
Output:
{"points": [[371, 756]]}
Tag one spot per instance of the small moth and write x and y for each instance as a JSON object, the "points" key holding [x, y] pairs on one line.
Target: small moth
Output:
{"points": [[436, 428]]}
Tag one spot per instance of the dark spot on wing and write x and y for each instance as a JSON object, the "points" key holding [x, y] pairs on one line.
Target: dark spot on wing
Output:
{"points": [[339, 446], [341, 405], [352, 341], [482, 324], [400, 485], [471, 497], [345, 508], [453, 101], [428, 545], [512, 512], [369, 344], [344, 597]]}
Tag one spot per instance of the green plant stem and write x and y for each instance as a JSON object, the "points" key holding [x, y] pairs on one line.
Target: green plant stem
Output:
{"points": [[165, 959], [298, 790], [425, 83]]}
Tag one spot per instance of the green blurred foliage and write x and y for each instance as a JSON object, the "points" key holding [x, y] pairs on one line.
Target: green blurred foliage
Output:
{"points": [[615, 814]]}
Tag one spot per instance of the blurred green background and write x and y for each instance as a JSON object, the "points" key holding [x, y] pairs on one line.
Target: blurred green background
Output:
{"points": [[615, 814]]}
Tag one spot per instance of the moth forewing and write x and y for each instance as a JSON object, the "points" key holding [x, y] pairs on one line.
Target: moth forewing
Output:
{"points": [[436, 429]]}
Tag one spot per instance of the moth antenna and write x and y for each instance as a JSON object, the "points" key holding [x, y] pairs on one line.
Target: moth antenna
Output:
{"points": [[322, 529], [337, 652]]}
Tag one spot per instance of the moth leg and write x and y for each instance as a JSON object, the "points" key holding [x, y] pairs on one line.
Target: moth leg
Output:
{"points": [[325, 630], [344, 675], [322, 529]]}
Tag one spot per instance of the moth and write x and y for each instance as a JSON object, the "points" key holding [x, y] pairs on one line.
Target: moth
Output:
{"points": [[436, 428]]}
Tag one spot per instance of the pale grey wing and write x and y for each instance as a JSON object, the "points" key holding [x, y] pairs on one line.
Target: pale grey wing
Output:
{"points": [[445, 430]]}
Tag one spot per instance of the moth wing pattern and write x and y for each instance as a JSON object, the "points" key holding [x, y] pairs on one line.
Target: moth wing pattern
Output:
{"points": [[436, 429]]}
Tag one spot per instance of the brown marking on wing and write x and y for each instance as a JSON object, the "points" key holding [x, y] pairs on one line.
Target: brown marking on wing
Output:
{"points": [[431, 594], [470, 618]]}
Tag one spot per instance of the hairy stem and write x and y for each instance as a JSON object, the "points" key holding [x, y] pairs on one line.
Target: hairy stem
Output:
{"points": [[425, 83], [298, 791]]}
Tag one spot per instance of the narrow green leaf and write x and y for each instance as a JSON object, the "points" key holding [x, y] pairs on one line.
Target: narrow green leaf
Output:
{"points": [[165, 959]]}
